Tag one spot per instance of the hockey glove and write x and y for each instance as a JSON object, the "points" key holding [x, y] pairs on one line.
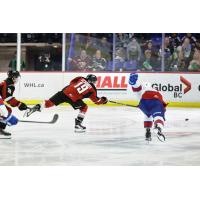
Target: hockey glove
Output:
{"points": [[11, 120], [133, 79], [104, 100], [22, 106]]}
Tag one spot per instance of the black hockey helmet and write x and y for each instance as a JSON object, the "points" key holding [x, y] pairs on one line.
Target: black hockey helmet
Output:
{"points": [[91, 78], [13, 74]]}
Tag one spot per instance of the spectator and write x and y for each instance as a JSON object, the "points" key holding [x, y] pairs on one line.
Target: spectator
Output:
{"points": [[168, 52], [187, 47], [81, 62], [13, 63], [143, 42], [149, 46], [187, 51], [195, 63], [78, 44], [191, 38], [148, 63], [104, 46], [178, 63], [175, 40], [90, 45], [133, 50], [120, 59], [44, 62], [122, 40], [120, 55], [98, 63]]}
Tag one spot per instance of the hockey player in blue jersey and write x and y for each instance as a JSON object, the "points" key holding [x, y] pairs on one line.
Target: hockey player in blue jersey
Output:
{"points": [[152, 105]]}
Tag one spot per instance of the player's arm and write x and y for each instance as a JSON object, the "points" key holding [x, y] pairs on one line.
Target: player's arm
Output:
{"points": [[12, 101], [133, 81], [102, 100]]}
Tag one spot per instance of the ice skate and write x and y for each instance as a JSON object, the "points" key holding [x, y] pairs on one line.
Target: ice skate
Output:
{"points": [[148, 135], [158, 131], [30, 111], [79, 128], [5, 133]]}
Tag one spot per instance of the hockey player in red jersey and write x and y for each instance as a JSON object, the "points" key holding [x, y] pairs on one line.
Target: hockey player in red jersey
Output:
{"points": [[7, 88], [151, 104], [74, 93]]}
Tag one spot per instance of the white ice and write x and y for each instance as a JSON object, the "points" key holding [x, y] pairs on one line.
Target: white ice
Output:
{"points": [[115, 136]]}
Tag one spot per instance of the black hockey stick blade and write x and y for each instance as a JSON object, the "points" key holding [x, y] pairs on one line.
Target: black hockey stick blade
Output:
{"points": [[5, 138], [53, 121], [123, 104]]}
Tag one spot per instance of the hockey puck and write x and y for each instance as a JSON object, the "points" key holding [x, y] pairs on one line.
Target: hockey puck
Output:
{"points": [[186, 119]]}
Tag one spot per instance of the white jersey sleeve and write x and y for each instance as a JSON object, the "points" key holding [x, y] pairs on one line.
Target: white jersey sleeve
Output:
{"points": [[3, 109]]}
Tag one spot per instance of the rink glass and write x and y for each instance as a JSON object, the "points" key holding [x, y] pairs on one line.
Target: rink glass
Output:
{"points": [[100, 52]]}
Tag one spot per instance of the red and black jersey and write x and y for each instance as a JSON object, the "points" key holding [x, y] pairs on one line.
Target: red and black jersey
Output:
{"points": [[7, 89], [80, 88]]}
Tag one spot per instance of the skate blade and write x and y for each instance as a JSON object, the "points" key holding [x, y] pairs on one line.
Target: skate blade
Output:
{"points": [[148, 141], [79, 131]]}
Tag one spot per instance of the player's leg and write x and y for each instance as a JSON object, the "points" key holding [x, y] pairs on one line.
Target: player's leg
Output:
{"points": [[81, 115], [10, 120], [78, 121], [2, 129], [148, 122], [55, 100], [158, 113], [158, 124], [79, 104]]}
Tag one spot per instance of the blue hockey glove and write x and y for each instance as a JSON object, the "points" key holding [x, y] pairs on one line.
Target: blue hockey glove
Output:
{"points": [[133, 79], [11, 120]]}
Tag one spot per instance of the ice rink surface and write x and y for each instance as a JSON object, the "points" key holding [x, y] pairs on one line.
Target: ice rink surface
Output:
{"points": [[115, 136]]}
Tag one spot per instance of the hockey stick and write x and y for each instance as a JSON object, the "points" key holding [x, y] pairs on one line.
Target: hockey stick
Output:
{"points": [[5, 138], [53, 121], [123, 104]]}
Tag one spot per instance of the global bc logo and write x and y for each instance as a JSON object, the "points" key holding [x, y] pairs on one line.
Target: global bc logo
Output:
{"points": [[177, 90]]}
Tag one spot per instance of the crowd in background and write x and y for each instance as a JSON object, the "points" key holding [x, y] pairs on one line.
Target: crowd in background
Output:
{"points": [[90, 52], [137, 52], [148, 52]]}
